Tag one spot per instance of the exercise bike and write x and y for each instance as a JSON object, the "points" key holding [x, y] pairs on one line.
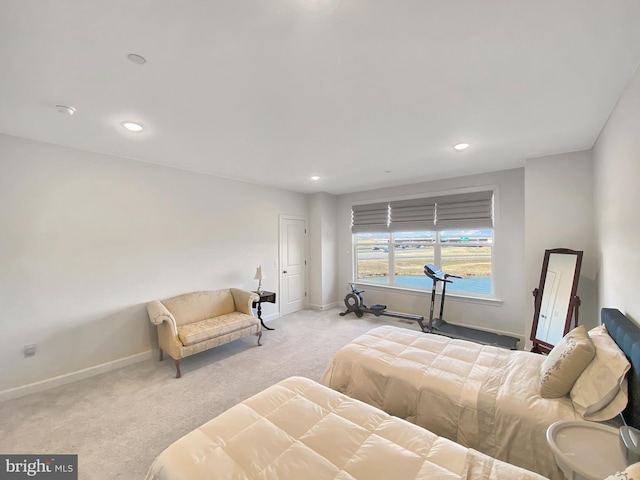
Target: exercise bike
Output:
{"points": [[355, 304]]}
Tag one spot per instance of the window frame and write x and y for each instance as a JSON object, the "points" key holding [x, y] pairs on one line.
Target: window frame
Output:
{"points": [[437, 244], [391, 285]]}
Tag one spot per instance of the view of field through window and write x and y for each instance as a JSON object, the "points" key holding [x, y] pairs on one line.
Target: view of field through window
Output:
{"points": [[462, 253]]}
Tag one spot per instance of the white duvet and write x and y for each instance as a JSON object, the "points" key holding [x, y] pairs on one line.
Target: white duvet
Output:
{"points": [[299, 429], [482, 397]]}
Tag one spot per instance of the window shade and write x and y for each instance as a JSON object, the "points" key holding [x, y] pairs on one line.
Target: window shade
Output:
{"points": [[448, 212], [469, 210], [370, 218], [416, 214]]}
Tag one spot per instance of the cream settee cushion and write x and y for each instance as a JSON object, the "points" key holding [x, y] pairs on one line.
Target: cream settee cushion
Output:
{"points": [[196, 332]]}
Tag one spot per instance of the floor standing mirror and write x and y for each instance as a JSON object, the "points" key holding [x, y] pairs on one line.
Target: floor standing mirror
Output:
{"points": [[556, 301]]}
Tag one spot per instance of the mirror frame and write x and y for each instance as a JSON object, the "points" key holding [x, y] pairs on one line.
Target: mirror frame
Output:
{"points": [[540, 346]]}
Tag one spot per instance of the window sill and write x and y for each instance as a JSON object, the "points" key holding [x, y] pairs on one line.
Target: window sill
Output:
{"points": [[451, 296]]}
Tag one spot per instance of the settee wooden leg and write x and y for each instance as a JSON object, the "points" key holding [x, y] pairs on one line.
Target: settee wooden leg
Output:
{"points": [[259, 337], [161, 355], [178, 374]]}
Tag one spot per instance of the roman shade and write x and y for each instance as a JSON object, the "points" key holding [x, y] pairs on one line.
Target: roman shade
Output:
{"points": [[373, 217], [448, 212], [415, 214], [469, 210]]}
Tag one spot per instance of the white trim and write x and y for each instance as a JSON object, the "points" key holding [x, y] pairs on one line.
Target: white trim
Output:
{"points": [[328, 306], [270, 317], [453, 296], [67, 378]]}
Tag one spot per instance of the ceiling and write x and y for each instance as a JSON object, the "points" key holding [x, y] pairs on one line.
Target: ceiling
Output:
{"points": [[364, 94]]}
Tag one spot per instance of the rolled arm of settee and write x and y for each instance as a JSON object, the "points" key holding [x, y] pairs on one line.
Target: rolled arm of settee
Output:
{"points": [[244, 299], [158, 313]]}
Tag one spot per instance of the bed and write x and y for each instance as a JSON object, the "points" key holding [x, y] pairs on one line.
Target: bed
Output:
{"points": [[299, 429], [483, 397]]}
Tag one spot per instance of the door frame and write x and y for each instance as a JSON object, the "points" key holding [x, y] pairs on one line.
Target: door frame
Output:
{"points": [[281, 218]]}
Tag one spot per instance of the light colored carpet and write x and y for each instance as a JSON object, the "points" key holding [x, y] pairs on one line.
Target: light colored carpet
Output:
{"points": [[118, 422]]}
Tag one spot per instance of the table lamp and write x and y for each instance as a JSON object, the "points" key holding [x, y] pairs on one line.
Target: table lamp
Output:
{"points": [[259, 276]]}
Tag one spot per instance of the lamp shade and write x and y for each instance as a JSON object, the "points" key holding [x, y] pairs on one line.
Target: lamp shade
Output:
{"points": [[259, 274]]}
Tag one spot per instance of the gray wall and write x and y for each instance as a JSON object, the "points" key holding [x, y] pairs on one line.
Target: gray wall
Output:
{"points": [[559, 214], [88, 239], [505, 315], [617, 179], [547, 204], [323, 251]]}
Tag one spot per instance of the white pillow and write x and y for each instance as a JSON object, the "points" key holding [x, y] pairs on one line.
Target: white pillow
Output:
{"points": [[600, 392]]}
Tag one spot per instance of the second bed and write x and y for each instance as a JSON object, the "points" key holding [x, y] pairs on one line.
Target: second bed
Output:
{"points": [[482, 397]]}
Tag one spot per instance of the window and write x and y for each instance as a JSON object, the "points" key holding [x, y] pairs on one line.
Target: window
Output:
{"points": [[372, 257], [392, 245], [413, 250], [467, 254], [399, 258]]}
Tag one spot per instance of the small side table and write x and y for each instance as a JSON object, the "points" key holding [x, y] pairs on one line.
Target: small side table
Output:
{"points": [[586, 450], [269, 297]]}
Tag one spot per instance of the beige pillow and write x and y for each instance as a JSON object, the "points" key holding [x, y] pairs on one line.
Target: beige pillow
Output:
{"points": [[600, 392], [565, 363], [632, 472]]}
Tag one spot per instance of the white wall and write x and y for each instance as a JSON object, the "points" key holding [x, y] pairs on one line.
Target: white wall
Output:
{"points": [[559, 214], [323, 241], [87, 239], [505, 316], [617, 185]]}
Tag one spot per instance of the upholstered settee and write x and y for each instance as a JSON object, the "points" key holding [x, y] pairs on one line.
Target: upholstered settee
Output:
{"points": [[194, 322]]}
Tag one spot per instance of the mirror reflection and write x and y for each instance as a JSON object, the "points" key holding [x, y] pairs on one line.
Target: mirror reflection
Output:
{"points": [[555, 298]]}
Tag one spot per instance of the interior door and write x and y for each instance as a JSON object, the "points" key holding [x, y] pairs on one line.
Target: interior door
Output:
{"points": [[293, 264]]}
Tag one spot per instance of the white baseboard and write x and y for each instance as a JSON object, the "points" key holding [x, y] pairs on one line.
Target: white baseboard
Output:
{"points": [[43, 385], [324, 307], [268, 318]]}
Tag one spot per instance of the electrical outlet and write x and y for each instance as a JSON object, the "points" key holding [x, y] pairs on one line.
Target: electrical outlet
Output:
{"points": [[30, 350]]}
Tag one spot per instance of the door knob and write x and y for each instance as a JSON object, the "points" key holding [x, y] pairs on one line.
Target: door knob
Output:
{"points": [[284, 271]]}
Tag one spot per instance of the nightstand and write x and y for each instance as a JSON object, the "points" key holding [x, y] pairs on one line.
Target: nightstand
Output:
{"points": [[586, 450], [269, 297]]}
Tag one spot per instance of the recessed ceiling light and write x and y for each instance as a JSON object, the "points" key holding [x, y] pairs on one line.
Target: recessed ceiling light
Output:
{"points": [[461, 146], [137, 59], [315, 177], [132, 127], [65, 109]]}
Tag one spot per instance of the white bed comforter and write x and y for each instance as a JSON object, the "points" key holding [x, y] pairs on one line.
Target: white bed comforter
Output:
{"points": [[482, 397], [299, 429]]}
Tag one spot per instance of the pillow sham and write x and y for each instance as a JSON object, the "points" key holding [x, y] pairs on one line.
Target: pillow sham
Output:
{"points": [[630, 473], [565, 363], [600, 392]]}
